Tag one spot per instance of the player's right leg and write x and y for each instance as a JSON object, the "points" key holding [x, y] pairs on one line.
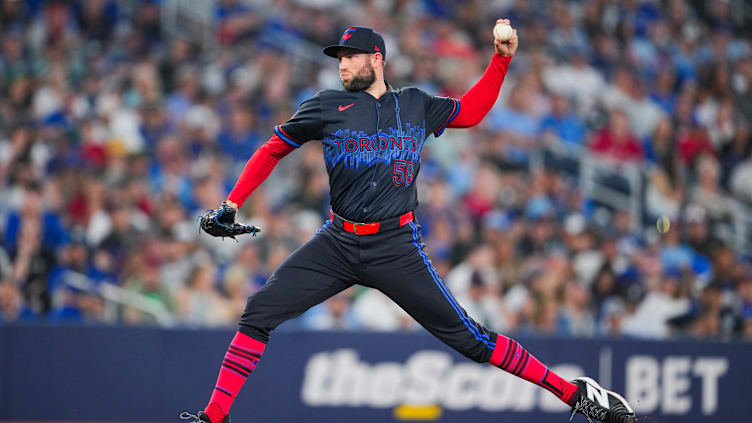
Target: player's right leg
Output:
{"points": [[402, 270], [314, 272]]}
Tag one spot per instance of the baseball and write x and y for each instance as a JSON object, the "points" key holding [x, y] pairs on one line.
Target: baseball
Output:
{"points": [[502, 31], [663, 224]]}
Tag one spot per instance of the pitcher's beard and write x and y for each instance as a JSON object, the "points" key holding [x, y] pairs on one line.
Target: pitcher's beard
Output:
{"points": [[361, 81]]}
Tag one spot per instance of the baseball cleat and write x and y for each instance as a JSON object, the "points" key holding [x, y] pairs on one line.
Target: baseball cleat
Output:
{"points": [[199, 417], [594, 402]]}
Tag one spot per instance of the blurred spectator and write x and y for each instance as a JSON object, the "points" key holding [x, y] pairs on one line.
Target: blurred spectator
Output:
{"points": [[239, 140], [708, 193], [576, 79], [518, 124], [575, 318], [734, 152], [665, 189], [739, 181], [32, 217], [12, 306], [616, 140], [564, 124], [693, 143], [199, 303], [141, 277], [664, 91], [96, 19], [745, 294], [664, 300]]}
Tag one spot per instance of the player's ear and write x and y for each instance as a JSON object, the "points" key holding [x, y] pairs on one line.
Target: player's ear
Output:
{"points": [[377, 57]]}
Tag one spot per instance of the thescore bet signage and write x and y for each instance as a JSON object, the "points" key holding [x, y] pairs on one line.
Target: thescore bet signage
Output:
{"points": [[340, 378], [344, 377]]}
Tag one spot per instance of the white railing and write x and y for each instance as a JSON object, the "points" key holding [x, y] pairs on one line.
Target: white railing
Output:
{"points": [[122, 297], [593, 168]]}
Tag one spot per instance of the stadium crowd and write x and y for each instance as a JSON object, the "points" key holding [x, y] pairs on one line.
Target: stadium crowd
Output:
{"points": [[115, 134]]}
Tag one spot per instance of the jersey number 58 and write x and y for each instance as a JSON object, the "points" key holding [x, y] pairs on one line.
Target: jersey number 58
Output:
{"points": [[403, 173]]}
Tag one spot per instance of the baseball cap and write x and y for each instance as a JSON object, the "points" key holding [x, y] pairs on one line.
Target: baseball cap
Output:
{"points": [[359, 38]]}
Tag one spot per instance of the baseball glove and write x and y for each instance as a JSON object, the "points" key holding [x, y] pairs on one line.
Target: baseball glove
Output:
{"points": [[221, 222]]}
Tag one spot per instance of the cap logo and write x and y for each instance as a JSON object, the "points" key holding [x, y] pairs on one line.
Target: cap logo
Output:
{"points": [[346, 36], [376, 48]]}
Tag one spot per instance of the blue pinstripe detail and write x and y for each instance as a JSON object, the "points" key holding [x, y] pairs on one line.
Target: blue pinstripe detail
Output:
{"points": [[285, 137], [451, 118], [226, 391], [230, 370], [326, 225], [241, 360], [476, 333]]}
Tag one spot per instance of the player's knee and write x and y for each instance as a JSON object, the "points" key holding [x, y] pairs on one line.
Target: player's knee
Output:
{"points": [[254, 323], [259, 318], [254, 331]]}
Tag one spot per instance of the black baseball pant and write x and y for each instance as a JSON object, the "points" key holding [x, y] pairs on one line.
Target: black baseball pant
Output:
{"points": [[392, 261]]}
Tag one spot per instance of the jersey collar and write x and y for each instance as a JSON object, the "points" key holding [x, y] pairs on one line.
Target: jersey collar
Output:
{"points": [[389, 90]]}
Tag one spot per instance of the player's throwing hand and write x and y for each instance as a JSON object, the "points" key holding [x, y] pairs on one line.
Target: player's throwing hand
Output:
{"points": [[506, 48]]}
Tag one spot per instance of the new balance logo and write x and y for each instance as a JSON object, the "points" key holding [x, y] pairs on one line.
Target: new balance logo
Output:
{"points": [[343, 108], [599, 395]]}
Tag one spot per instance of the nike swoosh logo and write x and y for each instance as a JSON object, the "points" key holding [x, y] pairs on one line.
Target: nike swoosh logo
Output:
{"points": [[343, 108]]}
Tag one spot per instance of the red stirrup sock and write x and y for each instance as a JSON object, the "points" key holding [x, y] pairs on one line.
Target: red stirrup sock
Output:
{"points": [[511, 357], [240, 360]]}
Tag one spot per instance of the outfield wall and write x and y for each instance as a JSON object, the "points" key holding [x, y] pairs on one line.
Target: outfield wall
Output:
{"points": [[78, 373]]}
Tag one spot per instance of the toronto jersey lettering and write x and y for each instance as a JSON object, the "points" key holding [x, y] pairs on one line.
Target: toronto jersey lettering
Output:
{"points": [[371, 147]]}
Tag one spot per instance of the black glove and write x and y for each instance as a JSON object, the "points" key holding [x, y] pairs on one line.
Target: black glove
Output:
{"points": [[221, 222]]}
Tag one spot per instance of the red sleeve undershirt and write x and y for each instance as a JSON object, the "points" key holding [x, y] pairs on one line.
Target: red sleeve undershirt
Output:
{"points": [[259, 167], [476, 103]]}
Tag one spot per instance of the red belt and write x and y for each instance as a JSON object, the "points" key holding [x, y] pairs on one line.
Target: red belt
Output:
{"points": [[373, 227]]}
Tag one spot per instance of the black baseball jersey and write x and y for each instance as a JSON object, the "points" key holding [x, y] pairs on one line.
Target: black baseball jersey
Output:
{"points": [[371, 147]]}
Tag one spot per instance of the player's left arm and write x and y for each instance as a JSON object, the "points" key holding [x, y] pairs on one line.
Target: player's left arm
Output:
{"points": [[475, 104]]}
